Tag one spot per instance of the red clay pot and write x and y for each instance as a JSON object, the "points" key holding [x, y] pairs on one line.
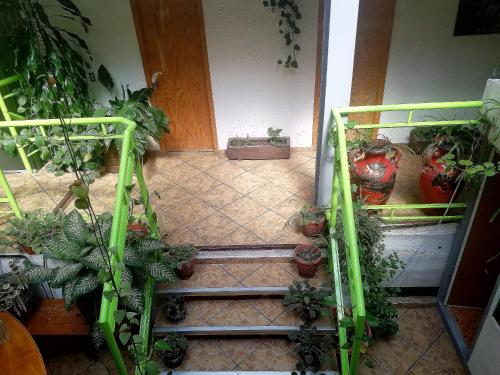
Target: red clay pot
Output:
{"points": [[306, 269], [140, 230], [186, 270], [373, 172], [436, 185], [313, 229], [26, 249]]}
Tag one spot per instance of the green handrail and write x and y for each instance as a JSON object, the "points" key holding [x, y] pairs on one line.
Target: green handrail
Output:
{"points": [[128, 166], [9, 197], [341, 192]]}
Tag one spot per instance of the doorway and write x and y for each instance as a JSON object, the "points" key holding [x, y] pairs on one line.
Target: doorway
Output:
{"points": [[171, 35]]}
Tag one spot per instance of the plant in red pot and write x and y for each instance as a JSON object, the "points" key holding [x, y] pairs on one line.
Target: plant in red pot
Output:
{"points": [[311, 219], [184, 256], [307, 257], [373, 170], [32, 230], [138, 229]]}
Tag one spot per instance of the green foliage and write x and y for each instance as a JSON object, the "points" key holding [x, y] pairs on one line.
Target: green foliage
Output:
{"points": [[313, 350], [181, 254], [136, 106], [33, 229], [289, 15], [172, 344], [274, 137], [376, 268], [307, 300], [307, 215], [97, 336]]}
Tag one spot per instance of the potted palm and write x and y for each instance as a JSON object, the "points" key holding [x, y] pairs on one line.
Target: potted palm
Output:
{"points": [[171, 349], [184, 258], [174, 308], [305, 299], [307, 257]]}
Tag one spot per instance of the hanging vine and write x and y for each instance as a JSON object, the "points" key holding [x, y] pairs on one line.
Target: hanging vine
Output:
{"points": [[289, 14]]}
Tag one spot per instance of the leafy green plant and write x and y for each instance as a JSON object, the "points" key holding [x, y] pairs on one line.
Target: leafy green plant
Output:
{"points": [[274, 136], [309, 254], [239, 141], [33, 229], [181, 254], [305, 299], [14, 293], [174, 307], [307, 215], [289, 15], [313, 350], [136, 106], [85, 264], [376, 268]]}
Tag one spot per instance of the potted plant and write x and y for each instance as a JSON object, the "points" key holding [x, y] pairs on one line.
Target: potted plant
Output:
{"points": [[307, 257], [33, 229], [305, 299], [174, 308], [421, 137], [15, 295], [313, 350], [171, 349], [310, 219], [183, 256], [251, 148]]}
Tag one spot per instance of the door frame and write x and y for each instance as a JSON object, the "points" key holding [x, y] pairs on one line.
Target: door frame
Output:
{"points": [[206, 66]]}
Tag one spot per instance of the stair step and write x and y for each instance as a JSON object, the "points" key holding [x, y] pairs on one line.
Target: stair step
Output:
{"points": [[225, 292], [236, 330], [174, 372]]}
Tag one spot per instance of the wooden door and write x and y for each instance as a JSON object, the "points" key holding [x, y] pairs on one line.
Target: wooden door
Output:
{"points": [[171, 36], [373, 41]]}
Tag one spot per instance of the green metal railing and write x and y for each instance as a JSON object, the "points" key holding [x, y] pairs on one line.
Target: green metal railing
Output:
{"points": [[128, 166], [341, 200]]}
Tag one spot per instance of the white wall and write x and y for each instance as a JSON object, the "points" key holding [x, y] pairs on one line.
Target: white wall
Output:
{"points": [[427, 63], [251, 92], [113, 42]]}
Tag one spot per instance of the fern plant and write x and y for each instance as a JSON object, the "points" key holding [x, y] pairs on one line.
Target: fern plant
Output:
{"points": [[85, 265]]}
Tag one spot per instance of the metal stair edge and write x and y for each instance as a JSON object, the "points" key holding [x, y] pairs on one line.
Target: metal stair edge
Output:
{"points": [[174, 372], [236, 330]]}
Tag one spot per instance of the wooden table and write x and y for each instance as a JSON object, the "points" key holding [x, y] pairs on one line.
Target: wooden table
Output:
{"points": [[19, 355]]}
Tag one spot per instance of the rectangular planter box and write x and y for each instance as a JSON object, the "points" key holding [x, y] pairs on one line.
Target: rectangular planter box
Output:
{"points": [[259, 151]]}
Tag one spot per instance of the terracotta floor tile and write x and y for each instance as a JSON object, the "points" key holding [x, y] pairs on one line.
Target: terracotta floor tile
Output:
{"points": [[220, 195], [201, 183], [173, 197], [183, 155], [192, 319], [216, 225], [241, 270], [287, 318], [180, 172], [192, 211], [36, 201], [293, 182], [206, 309], [246, 182], [271, 308], [269, 227], [444, 355], [181, 235], [158, 182], [269, 357], [160, 163], [204, 161], [206, 356], [292, 163], [242, 236], [269, 274], [69, 363], [394, 354], [417, 329], [166, 223], [240, 349], [321, 278], [208, 276], [247, 164], [424, 366], [270, 195], [307, 194], [375, 369], [225, 171], [239, 313], [269, 172], [243, 210], [288, 207]]}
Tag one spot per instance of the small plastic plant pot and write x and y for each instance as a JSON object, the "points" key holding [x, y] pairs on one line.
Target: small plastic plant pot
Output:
{"points": [[307, 268], [140, 230], [172, 361], [185, 271], [26, 249], [313, 229]]}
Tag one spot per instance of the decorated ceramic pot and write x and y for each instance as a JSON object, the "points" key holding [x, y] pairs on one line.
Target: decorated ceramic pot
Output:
{"points": [[373, 170]]}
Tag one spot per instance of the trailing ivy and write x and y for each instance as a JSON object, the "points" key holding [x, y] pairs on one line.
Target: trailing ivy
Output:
{"points": [[289, 14]]}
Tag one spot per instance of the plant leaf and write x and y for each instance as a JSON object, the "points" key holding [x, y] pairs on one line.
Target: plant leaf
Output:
{"points": [[75, 228]]}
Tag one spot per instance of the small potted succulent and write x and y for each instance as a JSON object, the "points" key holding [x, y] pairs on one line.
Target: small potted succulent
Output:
{"points": [[174, 308], [184, 257], [311, 219], [307, 300], [307, 257], [171, 349], [313, 350], [33, 229]]}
